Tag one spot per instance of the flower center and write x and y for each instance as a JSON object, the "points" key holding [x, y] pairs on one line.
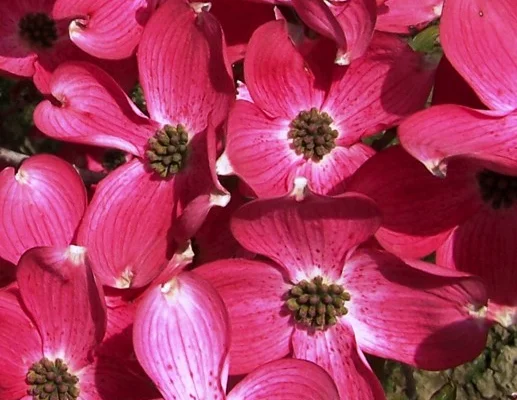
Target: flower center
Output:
{"points": [[38, 29], [312, 135], [167, 151], [497, 189], [50, 380], [316, 304]]}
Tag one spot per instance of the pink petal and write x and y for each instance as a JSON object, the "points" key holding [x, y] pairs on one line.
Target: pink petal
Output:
{"points": [[441, 132], [258, 150], [318, 15], [181, 85], [65, 303], [287, 379], [181, 338], [418, 209], [110, 378], [376, 92], [253, 293], [109, 30], [451, 88], [330, 175], [405, 16], [485, 246], [92, 109], [357, 19], [425, 317], [475, 37], [126, 227], [335, 350], [239, 19], [20, 345], [40, 205], [292, 88], [306, 236]]}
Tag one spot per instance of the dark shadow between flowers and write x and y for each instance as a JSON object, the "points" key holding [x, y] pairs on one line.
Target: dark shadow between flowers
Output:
{"points": [[118, 374], [7, 272]]}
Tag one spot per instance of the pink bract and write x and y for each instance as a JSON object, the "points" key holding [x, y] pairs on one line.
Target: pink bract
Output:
{"points": [[239, 19], [414, 312], [107, 30], [407, 16], [129, 226], [372, 94], [41, 204], [478, 37]]}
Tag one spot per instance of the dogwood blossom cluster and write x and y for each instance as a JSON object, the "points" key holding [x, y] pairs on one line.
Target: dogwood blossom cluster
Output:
{"points": [[263, 230]]}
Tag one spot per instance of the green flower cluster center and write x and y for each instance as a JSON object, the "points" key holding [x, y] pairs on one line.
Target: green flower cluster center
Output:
{"points": [[316, 304], [38, 29], [50, 380], [167, 151], [312, 135], [497, 189]]}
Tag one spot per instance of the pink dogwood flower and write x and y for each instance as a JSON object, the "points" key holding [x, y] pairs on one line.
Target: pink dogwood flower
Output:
{"points": [[36, 36], [292, 124], [49, 331], [132, 220], [349, 23], [468, 217], [182, 340], [479, 203], [323, 299]]}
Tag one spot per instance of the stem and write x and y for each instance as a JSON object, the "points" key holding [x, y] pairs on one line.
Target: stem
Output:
{"points": [[14, 159]]}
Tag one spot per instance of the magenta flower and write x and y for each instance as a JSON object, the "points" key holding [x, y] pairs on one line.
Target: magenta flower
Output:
{"points": [[35, 38], [467, 216], [472, 214], [326, 301], [182, 339], [133, 217], [349, 23], [294, 125], [49, 331]]}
